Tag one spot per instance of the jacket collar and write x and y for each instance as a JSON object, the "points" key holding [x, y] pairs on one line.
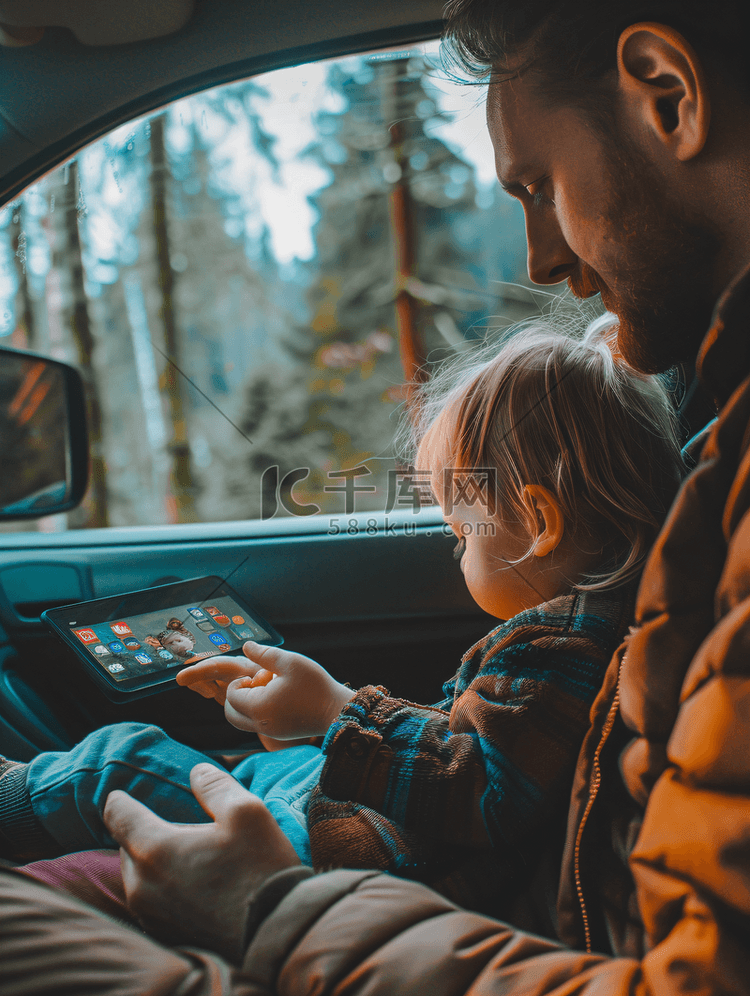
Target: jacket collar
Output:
{"points": [[724, 357]]}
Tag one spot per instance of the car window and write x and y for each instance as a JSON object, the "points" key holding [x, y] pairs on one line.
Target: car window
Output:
{"points": [[237, 277]]}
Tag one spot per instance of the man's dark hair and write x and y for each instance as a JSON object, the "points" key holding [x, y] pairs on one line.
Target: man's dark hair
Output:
{"points": [[573, 43]]}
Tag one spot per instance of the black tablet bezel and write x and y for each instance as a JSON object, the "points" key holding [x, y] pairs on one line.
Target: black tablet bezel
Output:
{"points": [[132, 603]]}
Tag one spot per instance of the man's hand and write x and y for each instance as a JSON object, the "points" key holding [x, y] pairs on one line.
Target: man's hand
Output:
{"points": [[193, 883], [301, 701]]}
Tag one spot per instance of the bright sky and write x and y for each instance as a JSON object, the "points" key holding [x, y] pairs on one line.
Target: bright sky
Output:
{"points": [[295, 95], [112, 178]]}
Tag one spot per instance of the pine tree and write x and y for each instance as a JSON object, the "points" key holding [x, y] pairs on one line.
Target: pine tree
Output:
{"points": [[24, 334], [75, 320], [181, 480], [233, 308], [347, 377], [218, 305]]}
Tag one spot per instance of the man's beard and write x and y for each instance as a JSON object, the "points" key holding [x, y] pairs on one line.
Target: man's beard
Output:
{"points": [[664, 260]]}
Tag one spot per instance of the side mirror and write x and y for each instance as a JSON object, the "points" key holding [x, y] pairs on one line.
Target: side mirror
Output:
{"points": [[43, 437]]}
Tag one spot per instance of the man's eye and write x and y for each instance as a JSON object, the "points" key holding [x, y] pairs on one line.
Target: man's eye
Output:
{"points": [[459, 549], [539, 196]]}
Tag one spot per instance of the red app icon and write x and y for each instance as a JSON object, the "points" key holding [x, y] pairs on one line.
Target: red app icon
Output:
{"points": [[238, 620], [86, 635], [221, 619], [121, 629]]}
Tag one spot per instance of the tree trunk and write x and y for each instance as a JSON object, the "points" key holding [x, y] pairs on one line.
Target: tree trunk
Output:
{"points": [[401, 211], [181, 483], [23, 336], [74, 314]]}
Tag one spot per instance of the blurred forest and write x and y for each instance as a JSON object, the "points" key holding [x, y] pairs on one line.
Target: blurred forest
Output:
{"points": [[211, 352]]}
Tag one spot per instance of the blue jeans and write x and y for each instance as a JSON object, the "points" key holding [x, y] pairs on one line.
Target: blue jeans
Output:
{"points": [[69, 789]]}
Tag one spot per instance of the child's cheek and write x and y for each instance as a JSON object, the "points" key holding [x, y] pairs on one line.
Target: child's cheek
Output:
{"points": [[467, 569], [480, 587]]}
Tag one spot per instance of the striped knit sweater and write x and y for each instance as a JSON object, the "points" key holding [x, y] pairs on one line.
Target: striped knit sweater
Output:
{"points": [[458, 794]]}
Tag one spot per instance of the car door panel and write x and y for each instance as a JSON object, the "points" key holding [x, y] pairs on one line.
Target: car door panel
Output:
{"points": [[386, 608]]}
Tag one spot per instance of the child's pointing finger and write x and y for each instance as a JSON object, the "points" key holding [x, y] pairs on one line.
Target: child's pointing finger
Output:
{"points": [[275, 659], [216, 668]]}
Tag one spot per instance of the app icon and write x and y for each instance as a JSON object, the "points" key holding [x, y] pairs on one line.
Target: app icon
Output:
{"points": [[86, 635], [114, 668], [212, 610], [101, 650], [165, 655], [222, 620], [219, 639], [131, 643], [238, 620], [197, 613], [116, 647], [121, 629], [245, 633], [206, 627], [144, 659]]}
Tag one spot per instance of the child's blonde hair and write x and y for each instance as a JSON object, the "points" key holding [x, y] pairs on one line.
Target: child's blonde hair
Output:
{"points": [[560, 410]]}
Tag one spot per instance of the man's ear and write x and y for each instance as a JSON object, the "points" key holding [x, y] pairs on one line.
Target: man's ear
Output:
{"points": [[664, 85], [547, 511]]}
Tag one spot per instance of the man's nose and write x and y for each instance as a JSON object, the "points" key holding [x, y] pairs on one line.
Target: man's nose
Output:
{"points": [[550, 259]]}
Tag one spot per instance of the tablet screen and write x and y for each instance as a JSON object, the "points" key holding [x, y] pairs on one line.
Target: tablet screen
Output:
{"points": [[184, 623], [152, 641]]}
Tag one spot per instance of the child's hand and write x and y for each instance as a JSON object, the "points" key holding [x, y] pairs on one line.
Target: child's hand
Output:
{"points": [[211, 677], [301, 701]]}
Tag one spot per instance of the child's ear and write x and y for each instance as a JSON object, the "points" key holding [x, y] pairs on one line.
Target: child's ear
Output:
{"points": [[547, 511]]}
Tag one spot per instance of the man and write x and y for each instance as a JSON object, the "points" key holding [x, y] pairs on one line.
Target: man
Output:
{"points": [[624, 130]]}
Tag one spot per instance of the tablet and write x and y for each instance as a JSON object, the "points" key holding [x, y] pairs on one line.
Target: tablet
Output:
{"points": [[135, 643]]}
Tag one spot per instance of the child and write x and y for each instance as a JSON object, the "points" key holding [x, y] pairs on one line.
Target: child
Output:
{"points": [[554, 465], [177, 639]]}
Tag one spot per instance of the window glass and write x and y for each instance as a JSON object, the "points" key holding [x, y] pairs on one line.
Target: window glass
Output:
{"points": [[239, 278]]}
